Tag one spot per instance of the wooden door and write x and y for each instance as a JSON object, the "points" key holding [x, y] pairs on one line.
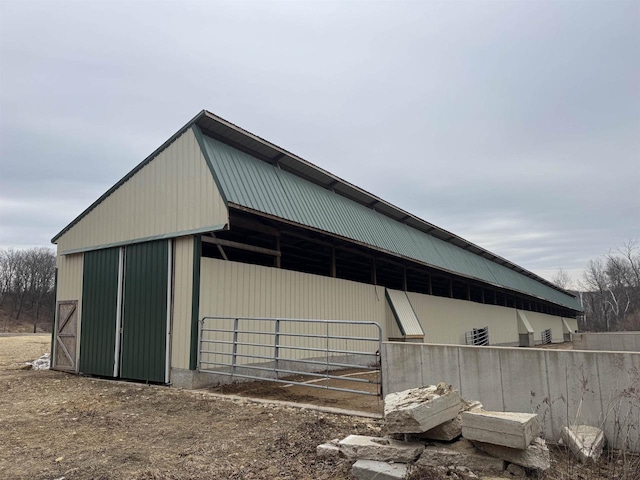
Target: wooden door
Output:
{"points": [[65, 338]]}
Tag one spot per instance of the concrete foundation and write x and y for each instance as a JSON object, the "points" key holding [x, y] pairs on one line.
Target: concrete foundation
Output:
{"points": [[194, 379], [526, 339]]}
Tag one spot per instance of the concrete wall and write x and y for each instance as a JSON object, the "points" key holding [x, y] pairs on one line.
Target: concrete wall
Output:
{"points": [[174, 192], [616, 341], [562, 386]]}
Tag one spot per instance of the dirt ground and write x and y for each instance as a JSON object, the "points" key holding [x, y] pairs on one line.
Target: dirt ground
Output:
{"points": [[56, 425], [314, 395]]}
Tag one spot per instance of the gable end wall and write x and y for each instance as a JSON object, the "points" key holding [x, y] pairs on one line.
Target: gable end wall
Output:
{"points": [[175, 192]]}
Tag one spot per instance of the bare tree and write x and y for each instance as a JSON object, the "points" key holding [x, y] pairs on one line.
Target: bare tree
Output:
{"points": [[562, 279], [27, 281], [612, 290]]}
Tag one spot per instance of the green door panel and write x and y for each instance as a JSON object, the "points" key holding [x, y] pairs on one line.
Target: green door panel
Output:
{"points": [[144, 320], [99, 310]]}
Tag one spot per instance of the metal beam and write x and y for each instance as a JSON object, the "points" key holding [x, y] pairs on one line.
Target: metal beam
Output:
{"points": [[241, 246]]}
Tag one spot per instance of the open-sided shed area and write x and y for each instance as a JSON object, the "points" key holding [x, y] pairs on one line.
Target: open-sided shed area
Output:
{"points": [[220, 223]]}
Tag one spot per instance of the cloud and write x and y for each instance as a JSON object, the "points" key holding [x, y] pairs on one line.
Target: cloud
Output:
{"points": [[513, 124]]}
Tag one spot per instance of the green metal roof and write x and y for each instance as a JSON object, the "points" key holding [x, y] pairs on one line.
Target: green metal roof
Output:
{"points": [[261, 186]]}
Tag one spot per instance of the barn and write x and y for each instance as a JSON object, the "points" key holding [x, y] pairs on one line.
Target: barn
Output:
{"points": [[222, 251]]}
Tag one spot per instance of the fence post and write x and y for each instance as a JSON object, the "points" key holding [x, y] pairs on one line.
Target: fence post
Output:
{"points": [[235, 347], [276, 348]]}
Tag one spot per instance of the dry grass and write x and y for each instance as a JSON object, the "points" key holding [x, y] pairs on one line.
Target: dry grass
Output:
{"points": [[54, 424]]}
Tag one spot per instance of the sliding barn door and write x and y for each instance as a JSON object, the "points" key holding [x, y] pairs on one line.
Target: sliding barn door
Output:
{"points": [[145, 313], [99, 312]]}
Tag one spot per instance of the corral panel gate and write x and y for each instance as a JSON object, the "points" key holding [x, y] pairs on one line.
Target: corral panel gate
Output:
{"points": [[342, 355]]}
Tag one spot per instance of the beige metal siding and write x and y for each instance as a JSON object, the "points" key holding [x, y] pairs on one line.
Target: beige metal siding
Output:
{"points": [[573, 324], [175, 192], [182, 298], [238, 289], [392, 329], [69, 286], [444, 320], [542, 321]]}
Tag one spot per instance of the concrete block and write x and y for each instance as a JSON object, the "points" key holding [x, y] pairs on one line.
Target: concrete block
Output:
{"points": [[373, 470], [452, 429], [330, 449], [361, 447], [420, 409], [525, 339], [516, 470], [515, 430], [535, 456], [585, 442], [461, 453]]}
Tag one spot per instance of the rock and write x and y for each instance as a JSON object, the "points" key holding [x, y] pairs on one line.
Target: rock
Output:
{"points": [[516, 470], [361, 447], [373, 470], [452, 429], [41, 363], [585, 442], [418, 410], [515, 430], [461, 453], [464, 470], [535, 456], [328, 450]]}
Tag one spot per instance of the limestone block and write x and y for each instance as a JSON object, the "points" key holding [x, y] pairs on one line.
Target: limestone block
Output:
{"points": [[452, 429], [461, 453], [535, 456], [585, 442], [328, 450], [515, 430], [420, 409], [361, 447], [373, 470]]}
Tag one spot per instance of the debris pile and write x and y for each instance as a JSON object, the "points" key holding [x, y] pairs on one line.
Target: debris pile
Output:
{"points": [[41, 363], [432, 427]]}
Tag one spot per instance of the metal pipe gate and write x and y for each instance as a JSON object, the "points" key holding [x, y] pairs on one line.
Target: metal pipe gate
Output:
{"points": [[281, 349], [477, 336]]}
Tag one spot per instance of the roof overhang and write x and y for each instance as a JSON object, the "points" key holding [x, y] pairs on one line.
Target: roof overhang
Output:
{"points": [[237, 137]]}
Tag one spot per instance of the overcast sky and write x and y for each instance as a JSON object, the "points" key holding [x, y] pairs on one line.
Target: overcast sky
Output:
{"points": [[516, 125]]}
